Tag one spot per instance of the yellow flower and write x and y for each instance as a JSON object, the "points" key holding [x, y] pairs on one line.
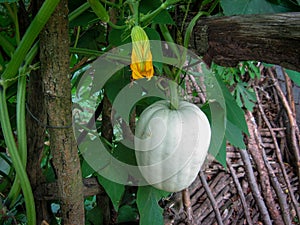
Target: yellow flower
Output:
{"points": [[141, 57]]}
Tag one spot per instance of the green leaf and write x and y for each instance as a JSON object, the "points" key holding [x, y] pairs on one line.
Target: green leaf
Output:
{"points": [[93, 38], [238, 7], [217, 124], [114, 190], [118, 37], [147, 202], [124, 154], [233, 112], [86, 169], [127, 213], [221, 156], [94, 216], [8, 1], [294, 75], [245, 96], [234, 135], [157, 54], [116, 83]]}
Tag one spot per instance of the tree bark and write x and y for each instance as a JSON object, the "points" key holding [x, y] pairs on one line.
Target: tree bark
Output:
{"points": [[273, 38], [35, 141], [54, 46]]}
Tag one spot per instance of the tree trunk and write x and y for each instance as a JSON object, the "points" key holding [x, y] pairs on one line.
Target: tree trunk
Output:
{"points": [[273, 38], [54, 46], [35, 141]]}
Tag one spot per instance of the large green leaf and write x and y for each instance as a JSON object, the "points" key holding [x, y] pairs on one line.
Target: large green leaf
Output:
{"points": [[237, 7], [127, 214], [294, 75], [233, 112], [116, 83], [147, 202], [94, 216], [217, 148], [234, 135], [114, 190], [124, 154]]}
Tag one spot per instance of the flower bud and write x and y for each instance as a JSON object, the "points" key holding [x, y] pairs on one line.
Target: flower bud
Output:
{"points": [[141, 57]]}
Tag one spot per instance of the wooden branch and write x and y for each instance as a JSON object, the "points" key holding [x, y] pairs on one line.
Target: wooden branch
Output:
{"points": [[187, 206], [211, 198], [240, 192], [293, 124], [49, 191], [279, 158], [255, 148], [254, 187], [272, 38]]}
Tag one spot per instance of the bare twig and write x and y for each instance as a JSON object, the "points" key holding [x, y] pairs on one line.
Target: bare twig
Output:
{"points": [[187, 206], [256, 151], [254, 187], [278, 154], [241, 193], [197, 88], [293, 124], [211, 198]]}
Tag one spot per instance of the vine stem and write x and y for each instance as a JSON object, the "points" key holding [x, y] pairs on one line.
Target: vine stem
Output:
{"points": [[22, 142], [31, 34], [174, 99], [17, 162]]}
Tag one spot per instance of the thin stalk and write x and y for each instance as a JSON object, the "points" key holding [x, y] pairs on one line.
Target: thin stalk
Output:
{"points": [[168, 37], [174, 98], [21, 132], [35, 47], [17, 162], [6, 45], [135, 6], [77, 12], [31, 34], [147, 18], [14, 16]]}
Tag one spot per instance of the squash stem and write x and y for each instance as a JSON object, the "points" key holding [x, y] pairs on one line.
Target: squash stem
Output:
{"points": [[174, 102]]}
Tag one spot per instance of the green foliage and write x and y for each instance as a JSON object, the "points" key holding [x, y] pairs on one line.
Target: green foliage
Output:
{"points": [[258, 6], [114, 190], [147, 202], [294, 75]]}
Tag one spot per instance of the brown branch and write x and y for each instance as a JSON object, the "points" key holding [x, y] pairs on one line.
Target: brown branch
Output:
{"points": [[255, 150], [49, 191], [254, 187], [293, 124], [272, 38], [187, 206], [278, 154], [211, 198], [279, 192], [240, 192]]}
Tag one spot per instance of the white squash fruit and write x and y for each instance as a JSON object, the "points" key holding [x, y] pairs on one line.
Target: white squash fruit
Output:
{"points": [[171, 145]]}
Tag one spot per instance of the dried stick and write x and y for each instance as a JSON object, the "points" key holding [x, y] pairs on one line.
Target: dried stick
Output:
{"points": [[211, 198], [289, 91], [279, 192], [240, 192], [197, 88], [278, 154], [293, 124], [187, 206], [254, 187], [255, 149]]}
